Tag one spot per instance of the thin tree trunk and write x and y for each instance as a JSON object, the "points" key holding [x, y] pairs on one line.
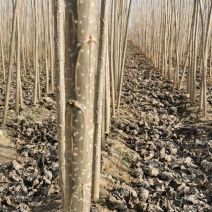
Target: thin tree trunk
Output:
{"points": [[36, 56], [205, 34], [107, 94], [99, 102], [112, 58], [60, 90], [2, 58], [123, 56], [18, 74], [11, 52]]}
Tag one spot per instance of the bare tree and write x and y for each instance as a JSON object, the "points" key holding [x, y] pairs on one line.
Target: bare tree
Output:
{"points": [[206, 28], [60, 89], [123, 54], [81, 63], [98, 116], [36, 54], [18, 74], [12, 49]]}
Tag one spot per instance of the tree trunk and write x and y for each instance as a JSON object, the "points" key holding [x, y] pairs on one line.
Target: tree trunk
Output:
{"points": [[99, 102], [60, 89], [36, 56], [81, 63], [18, 74], [123, 56], [11, 52]]}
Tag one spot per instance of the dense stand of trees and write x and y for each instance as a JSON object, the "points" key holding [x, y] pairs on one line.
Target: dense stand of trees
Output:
{"points": [[58, 44], [27, 48], [176, 35]]}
